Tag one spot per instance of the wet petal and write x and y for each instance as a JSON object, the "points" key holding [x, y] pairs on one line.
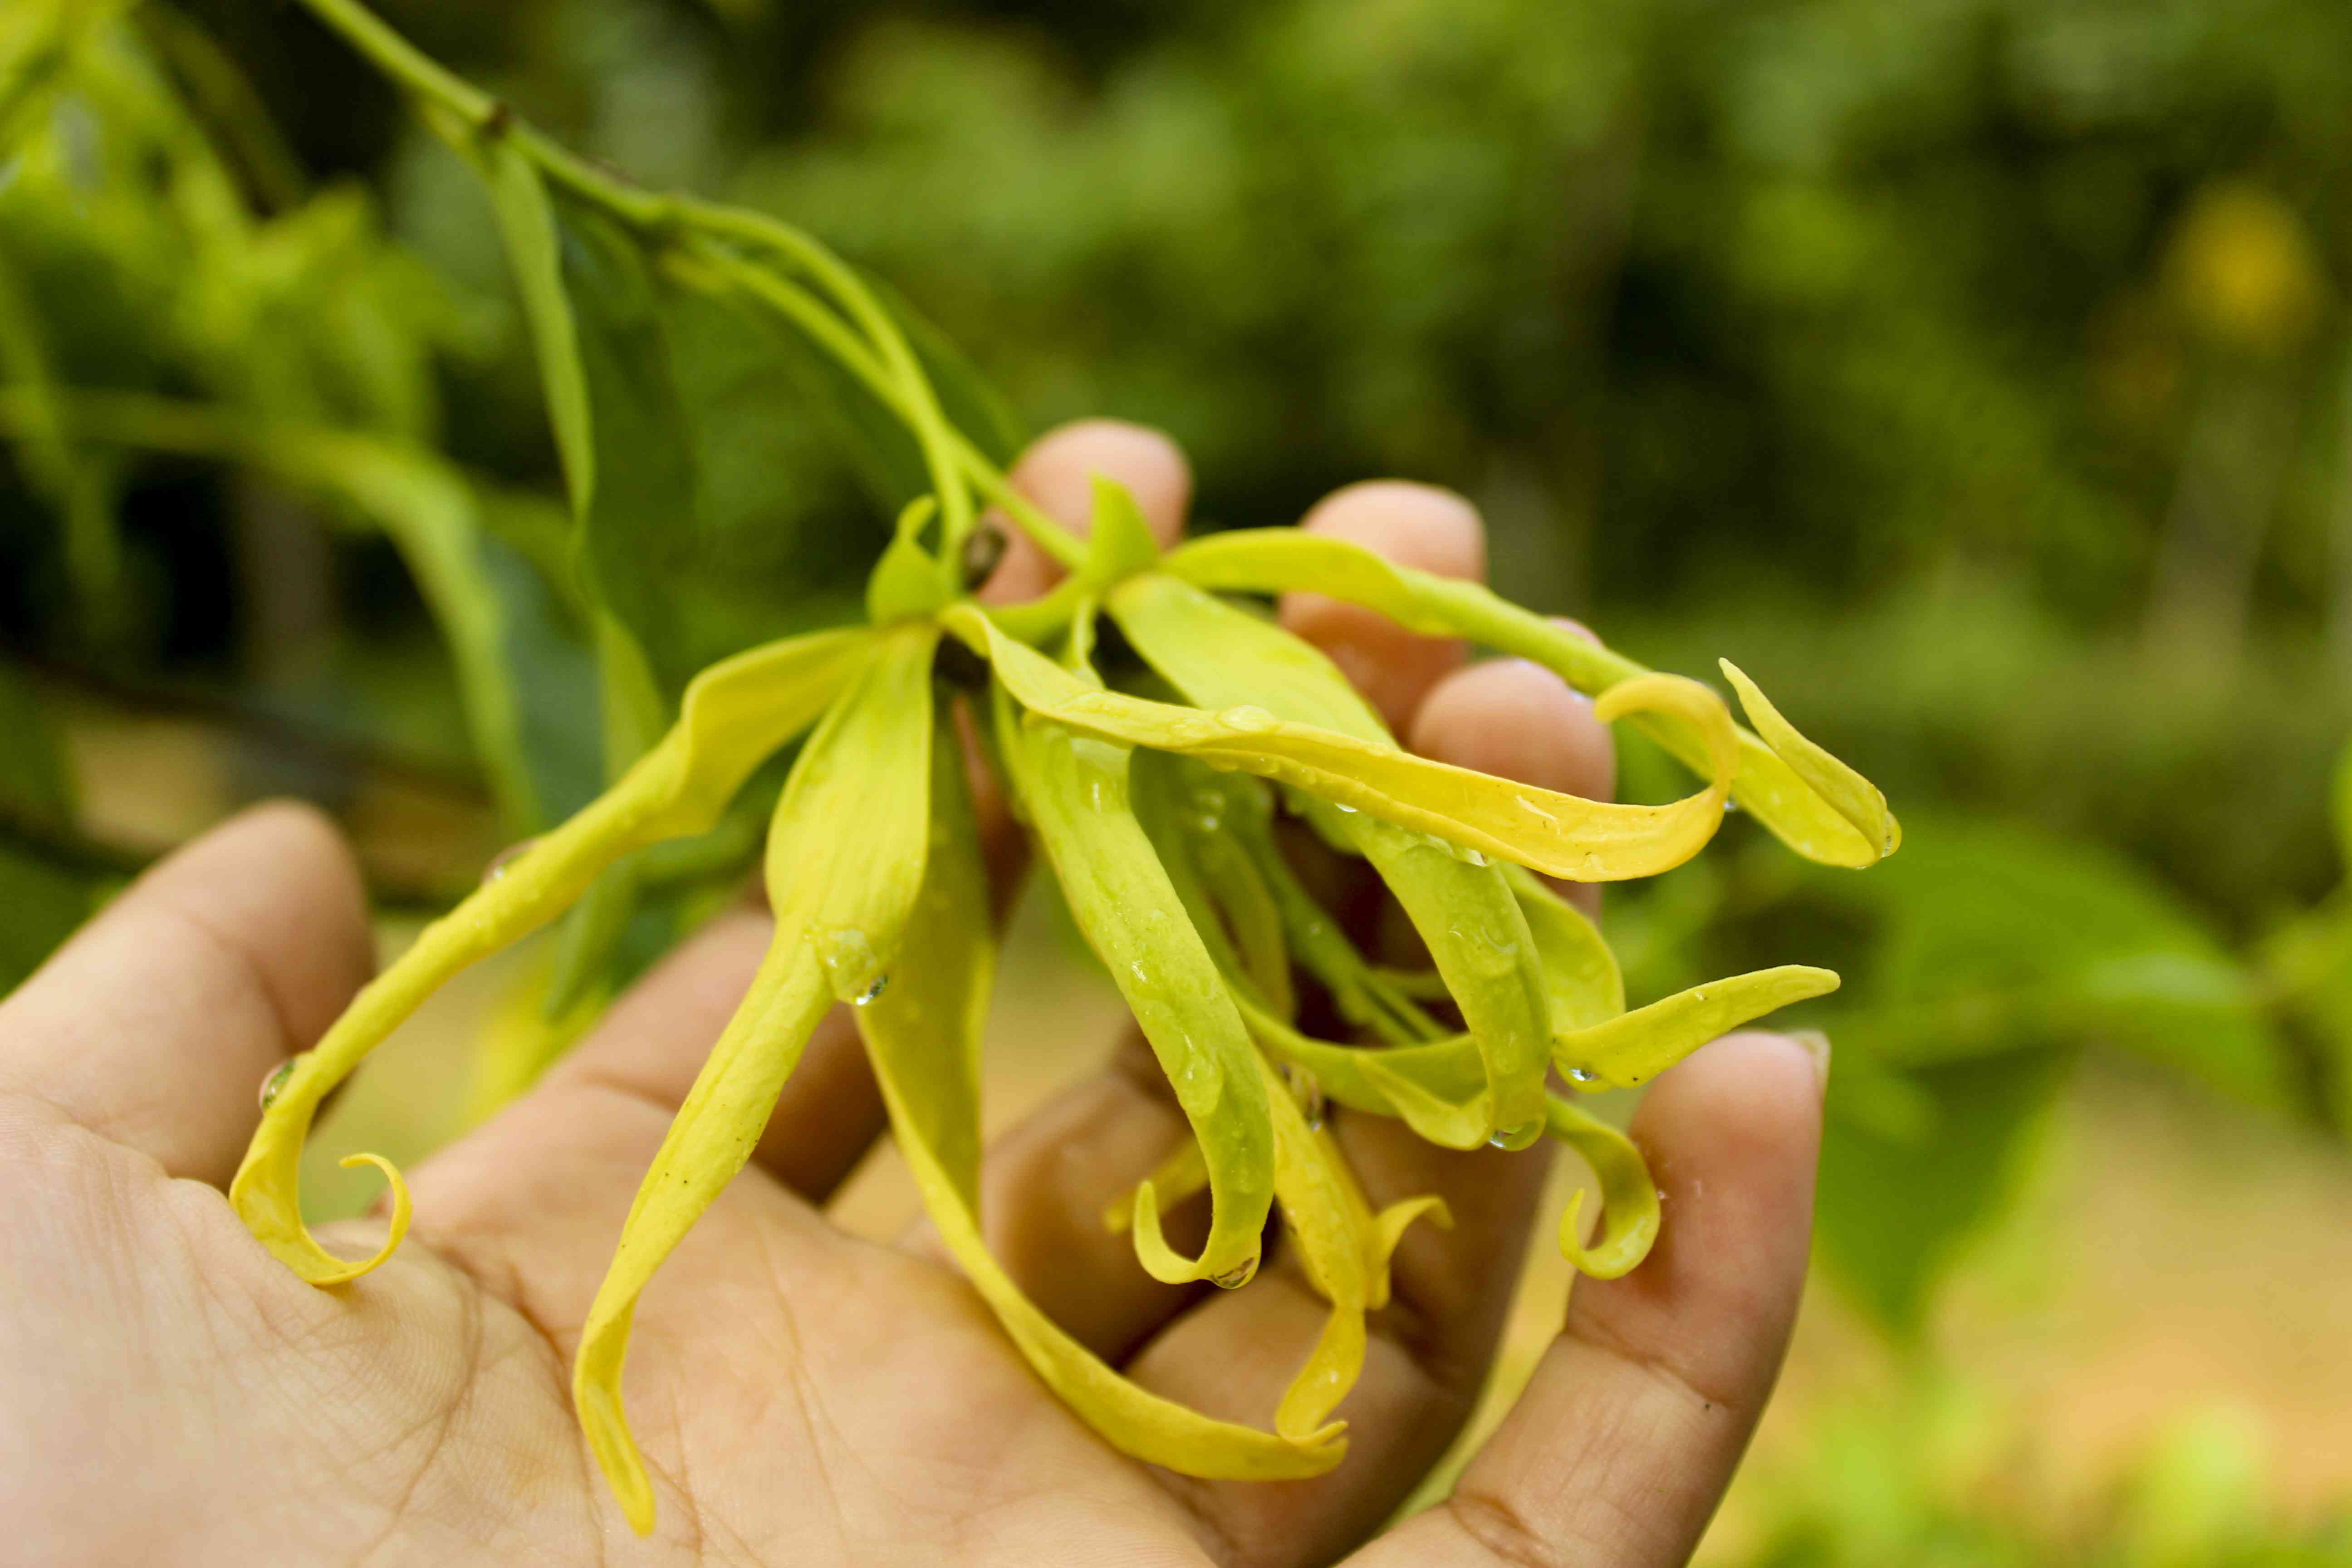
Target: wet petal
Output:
{"points": [[843, 901], [1629, 1199], [1075, 790], [1271, 561], [1850, 795], [1558, 833], [1639, 1046], [1581, 983], [735, 714], [923, 1037]]}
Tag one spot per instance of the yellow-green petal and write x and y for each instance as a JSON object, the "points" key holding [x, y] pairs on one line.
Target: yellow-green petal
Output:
{"points": [[1850, 795], [923, 1038], [1629, 1199], [735, 714], [844, 867], [1638, 1045], [1074, 789], [1562, 835], [1582, 985], [1269, 561]]}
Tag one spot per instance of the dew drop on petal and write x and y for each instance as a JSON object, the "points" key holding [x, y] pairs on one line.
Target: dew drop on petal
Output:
{"points": [[505, 859], [881, 982], [273, 1083], [1518, 1136], [1582, 1075], [1247, 718]]}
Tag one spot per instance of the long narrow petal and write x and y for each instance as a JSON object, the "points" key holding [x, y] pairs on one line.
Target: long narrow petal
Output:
{"points": [[1629, 1199], [1581, 982], [1768, 785], [735, 715], [1850, 795], [845, 859], [1476, 931], [1638, 1045], [1075, 792], [922, 1036], [1562, 835]]}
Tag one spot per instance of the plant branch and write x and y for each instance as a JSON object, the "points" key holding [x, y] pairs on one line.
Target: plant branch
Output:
{"points": [[953, 461]]}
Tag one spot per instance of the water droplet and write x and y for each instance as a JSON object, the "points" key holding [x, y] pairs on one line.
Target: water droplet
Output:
{"points": [[1247, 718], [1582, 1075], [1305, 1091], [1729, 806], [1662, 1194], [1698, 995], [501, 862], [881, 983], [1518, 1136], [1469, 856], [1347, 810], [1233, 1278], [274, 1082]]}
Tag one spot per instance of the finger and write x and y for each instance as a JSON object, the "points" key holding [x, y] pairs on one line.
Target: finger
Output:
{"points": [[1412, 525], [1057, 472], [1236, 1353], [155, 1025], [1519, 720], [1624, 1442]]}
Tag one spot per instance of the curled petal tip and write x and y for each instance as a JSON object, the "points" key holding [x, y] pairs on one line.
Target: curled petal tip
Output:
{"points": [[400, 1211]]}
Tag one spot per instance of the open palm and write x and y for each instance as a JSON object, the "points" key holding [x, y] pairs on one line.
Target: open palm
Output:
{"points": [[170, 1393]]}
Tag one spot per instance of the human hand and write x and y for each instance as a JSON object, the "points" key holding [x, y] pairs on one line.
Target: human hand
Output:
{"points": [[170, 1393]]}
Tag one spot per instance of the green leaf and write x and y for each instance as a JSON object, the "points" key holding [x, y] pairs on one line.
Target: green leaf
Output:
{"points": [[1893, 1213], [2341, 800], [1992, 937], [1075, 790], [846, 857], [534, 248]]}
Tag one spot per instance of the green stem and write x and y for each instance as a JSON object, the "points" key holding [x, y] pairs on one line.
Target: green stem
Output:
{"points": [[954, 463]]}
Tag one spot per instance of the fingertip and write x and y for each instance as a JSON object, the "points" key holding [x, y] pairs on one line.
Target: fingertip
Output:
{"points": [[1732, 1136], [286, 863], [1057, 472], [1416, 525], [1517, 721]]}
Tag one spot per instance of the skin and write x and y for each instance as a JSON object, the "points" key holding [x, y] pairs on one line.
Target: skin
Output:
{"points": [[169, 1393]]}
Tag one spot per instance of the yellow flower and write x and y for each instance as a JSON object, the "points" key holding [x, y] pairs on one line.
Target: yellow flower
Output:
{"points": [[1155, 805]]}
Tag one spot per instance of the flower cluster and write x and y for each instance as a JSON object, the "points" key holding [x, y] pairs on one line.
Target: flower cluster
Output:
{"points": [[1155, 795]]}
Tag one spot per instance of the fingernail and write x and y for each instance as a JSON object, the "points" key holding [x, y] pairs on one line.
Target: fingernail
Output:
{"points": [[1815, 1045]]}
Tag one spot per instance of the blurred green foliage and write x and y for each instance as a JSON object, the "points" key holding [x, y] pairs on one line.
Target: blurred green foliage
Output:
{"points": [[1975, 372]]}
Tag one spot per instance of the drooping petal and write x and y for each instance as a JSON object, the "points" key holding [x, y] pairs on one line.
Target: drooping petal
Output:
{"points": [[1342, 1245], [1074, 789], [1629, 1199], [922, 1036], [1558, 833], [1477, 935], [1638, 1045], [1439, 1089], [1184, 809], [1581, 982], [844, 865], [1850, 795], [1767, 784], [735, 714]]}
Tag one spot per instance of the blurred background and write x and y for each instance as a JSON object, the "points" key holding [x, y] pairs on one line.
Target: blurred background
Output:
{"points": [[1978, 373]]}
